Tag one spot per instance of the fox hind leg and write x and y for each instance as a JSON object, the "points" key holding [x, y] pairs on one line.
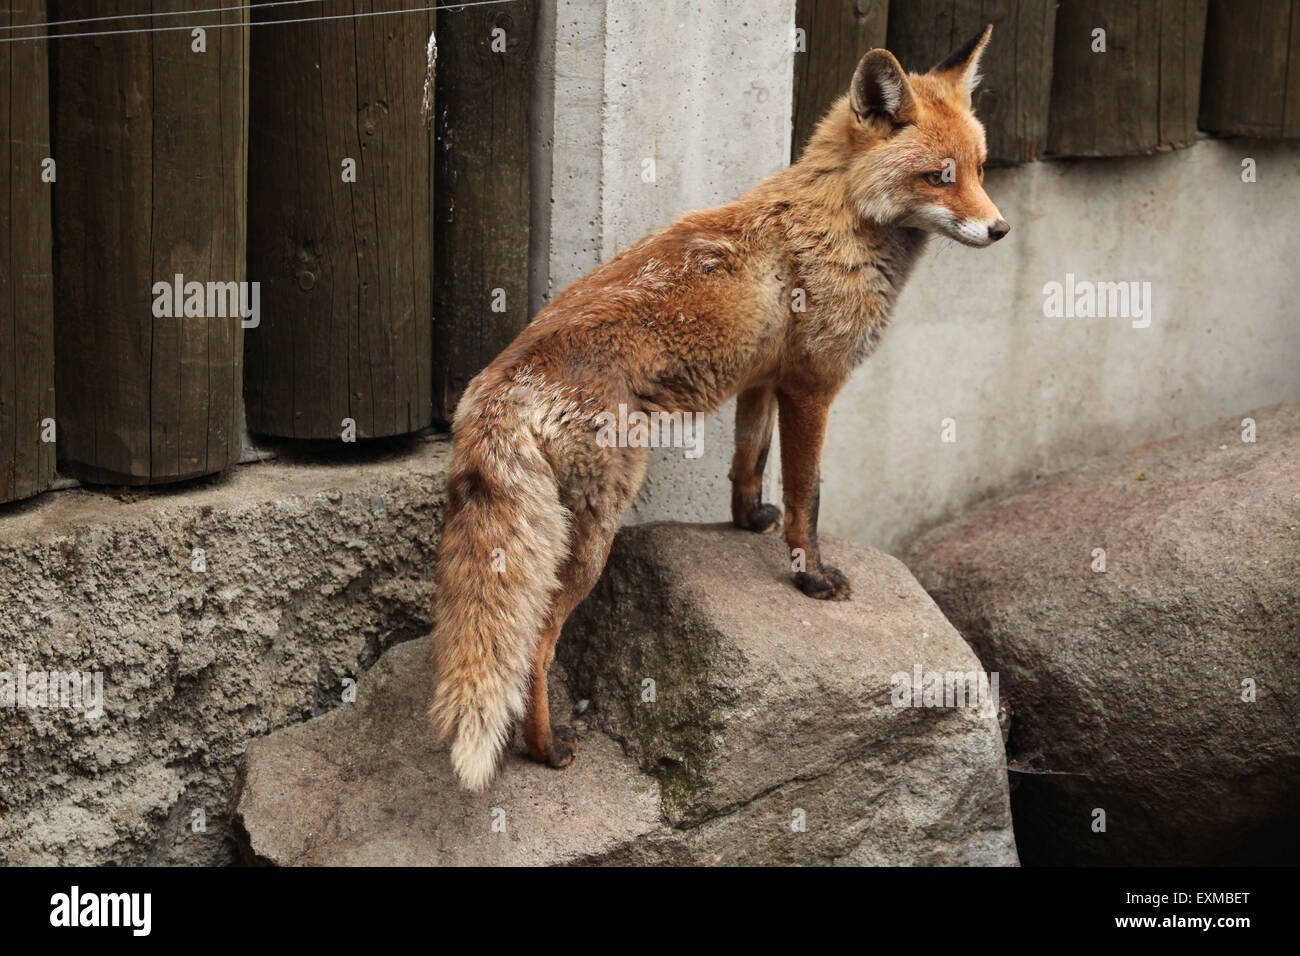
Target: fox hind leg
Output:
{"points": [[556, 746], [597, 505], [755, 415]]}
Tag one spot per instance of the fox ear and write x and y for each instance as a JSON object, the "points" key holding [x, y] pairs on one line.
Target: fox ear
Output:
{"points": [[880, 90], [961, 66]]}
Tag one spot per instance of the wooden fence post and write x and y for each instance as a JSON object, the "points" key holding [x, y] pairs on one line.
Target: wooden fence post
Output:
{"points": [[482, 197], [1012, 98], [26, 281], [1250, 84], [1138, 96], [831, 36], [150, 139], [340, 226]]}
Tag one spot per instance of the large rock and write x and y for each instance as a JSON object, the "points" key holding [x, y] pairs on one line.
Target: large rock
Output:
{"points": [[310, 570], [771, 736], [1126, 687], [767, 704]]}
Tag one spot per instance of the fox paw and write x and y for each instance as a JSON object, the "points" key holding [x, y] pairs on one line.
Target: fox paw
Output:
{"points": [[762, 519], [564, 744], [828, 584]]}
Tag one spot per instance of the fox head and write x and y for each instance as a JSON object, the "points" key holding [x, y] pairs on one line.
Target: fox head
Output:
{"points": [[915, 151]]}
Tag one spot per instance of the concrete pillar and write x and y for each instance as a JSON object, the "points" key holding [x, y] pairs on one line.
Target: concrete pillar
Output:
{"points": [[658, 109]]}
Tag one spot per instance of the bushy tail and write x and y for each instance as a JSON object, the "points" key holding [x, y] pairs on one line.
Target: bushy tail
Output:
{"points": [[504, 537]]}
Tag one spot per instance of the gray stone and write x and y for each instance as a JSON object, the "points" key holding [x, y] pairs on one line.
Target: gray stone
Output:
{"points": [[768, 704], [367, 785], [1126, 687], [314, 568], [769, 708]]}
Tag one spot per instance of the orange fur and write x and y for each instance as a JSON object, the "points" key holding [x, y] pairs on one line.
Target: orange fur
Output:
{"points": [[681, 321]]}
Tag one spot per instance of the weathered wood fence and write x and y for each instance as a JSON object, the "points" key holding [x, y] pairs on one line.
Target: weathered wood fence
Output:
{"points": [[150, 139], [483, 197], [1077, 77], [26, 284], [292, 163], [1131, 89], [340, 227], [392, 261], [1252, 64]]}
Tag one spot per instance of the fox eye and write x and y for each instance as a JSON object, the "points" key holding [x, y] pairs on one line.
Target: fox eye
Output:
{"points": [[935, 179], [981, 172]]}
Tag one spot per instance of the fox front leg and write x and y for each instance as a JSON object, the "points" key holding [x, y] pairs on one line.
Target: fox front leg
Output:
{"points": [[803, 426]]}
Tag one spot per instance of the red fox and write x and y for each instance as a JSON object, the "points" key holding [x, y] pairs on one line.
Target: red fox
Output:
{"points": [[679, 322]]}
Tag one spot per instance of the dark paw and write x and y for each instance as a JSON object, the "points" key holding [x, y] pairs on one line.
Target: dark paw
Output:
{"points": [[564, 744], [762, 519], [828, 584]]}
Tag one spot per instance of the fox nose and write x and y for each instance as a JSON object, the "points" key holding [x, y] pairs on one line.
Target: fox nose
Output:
{"points": [[999, 229]]}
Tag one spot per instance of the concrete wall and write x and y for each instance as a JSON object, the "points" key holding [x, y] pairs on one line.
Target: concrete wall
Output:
{"points": [[705, 91], [1032, 395], [311, 568]]}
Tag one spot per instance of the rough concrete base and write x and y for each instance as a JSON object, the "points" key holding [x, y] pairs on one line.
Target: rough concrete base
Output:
{"points": [[313, 569], [771, 736]]}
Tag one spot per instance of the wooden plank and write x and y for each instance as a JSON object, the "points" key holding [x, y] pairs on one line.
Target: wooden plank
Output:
{"points": [[150, 136], [26, 279], [482, 196], [1250, 83], [346, 267], [1139, 96], [836, 33], [1013, 95]]}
